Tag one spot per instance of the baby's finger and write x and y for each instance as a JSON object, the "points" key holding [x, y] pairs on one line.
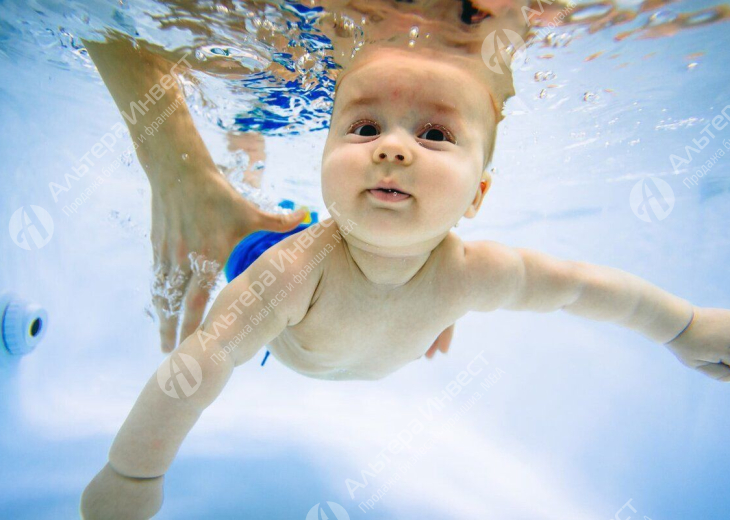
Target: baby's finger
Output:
{"points": [[196, 300], [719, 371], [441, 343], [444, 340]]}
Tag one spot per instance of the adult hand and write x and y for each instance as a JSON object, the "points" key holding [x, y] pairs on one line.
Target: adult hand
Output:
{"points": [[196, 222]]}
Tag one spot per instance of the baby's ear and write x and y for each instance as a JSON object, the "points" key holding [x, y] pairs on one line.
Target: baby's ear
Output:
{"points": [[484, 186]]}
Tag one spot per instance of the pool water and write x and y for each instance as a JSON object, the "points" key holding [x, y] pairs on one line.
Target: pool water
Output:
{"points": [[567, 418]]}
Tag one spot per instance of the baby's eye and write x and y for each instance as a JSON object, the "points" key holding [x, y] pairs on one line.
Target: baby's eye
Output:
{"points": [[436, 133], [364, 128]]}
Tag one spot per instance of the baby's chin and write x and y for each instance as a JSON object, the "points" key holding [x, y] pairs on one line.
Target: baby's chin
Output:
{"points": [[386, 234]]}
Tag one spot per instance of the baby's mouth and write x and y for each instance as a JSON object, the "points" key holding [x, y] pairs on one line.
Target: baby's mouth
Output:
{"points": [[389, 194]]}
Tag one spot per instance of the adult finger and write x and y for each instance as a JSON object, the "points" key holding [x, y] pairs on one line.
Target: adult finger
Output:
{"points": [[168, 288], [205, 275], [196, 300], [279, 222]]}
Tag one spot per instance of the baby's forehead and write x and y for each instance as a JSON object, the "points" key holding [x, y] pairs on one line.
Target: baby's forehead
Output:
{"points": [[392, 75]]}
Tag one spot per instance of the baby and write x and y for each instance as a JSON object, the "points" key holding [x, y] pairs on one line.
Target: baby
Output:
{"points": [[361, 294]]}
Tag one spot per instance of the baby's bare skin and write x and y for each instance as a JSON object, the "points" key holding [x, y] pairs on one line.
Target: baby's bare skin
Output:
{"points": [[384, 326], [337, 323], [367, 291]]}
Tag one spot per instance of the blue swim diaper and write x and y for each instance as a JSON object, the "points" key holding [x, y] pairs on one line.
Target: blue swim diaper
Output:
{"points": [[253, 246]]}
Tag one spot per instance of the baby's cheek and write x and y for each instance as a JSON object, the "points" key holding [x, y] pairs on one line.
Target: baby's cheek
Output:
{"points": [[451, 196]]}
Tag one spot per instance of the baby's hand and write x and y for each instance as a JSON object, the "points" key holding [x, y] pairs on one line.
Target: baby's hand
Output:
{"points": [[705, 344], [442, 343], [112, 495]]}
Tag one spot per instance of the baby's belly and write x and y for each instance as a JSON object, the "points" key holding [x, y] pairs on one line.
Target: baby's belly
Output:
{"points": [[344, 358]]}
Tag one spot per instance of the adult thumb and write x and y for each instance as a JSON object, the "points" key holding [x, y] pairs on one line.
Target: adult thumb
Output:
{"points": [[281, 222]]}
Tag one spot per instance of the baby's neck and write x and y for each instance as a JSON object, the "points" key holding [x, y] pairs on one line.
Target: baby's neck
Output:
{"points": [[389, 266]]}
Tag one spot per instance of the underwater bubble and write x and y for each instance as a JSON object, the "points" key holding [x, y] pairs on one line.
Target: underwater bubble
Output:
{"points": [[205, 270], [126, 158], [167, 290], [237, 167], [248, 57], [150, 313], [185, 157], [553, 39], [240, 159], [305, 63], [413, 33], [590, 97], [703, 17], [543, 94], [544, 75], [590, 12], [669, 125], [662, 17]]}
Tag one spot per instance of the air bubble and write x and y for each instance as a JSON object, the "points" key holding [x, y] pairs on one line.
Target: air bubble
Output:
{"points": [[127, 158], [544, 75]]}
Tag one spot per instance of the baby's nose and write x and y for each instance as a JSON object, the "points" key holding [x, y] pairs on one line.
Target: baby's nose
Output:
{"points": [[393, 149], [398, 156]]}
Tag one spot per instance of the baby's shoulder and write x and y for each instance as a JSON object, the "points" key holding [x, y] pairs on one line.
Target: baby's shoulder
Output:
{"points": [[446, 266], [464, 265], [294, 266]]}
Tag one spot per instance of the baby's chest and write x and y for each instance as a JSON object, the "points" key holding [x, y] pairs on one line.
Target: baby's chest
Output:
{"points": [[363, 335]]}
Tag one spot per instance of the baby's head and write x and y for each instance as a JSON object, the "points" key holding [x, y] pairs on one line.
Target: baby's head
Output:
{"points": [[420, 122]]}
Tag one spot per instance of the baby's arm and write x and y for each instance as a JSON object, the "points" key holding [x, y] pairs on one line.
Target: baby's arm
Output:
{"points": [[521, 279], [130, 486]]}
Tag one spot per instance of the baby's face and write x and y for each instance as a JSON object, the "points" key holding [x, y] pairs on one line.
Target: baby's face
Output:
{"points": [[414, 124]]}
